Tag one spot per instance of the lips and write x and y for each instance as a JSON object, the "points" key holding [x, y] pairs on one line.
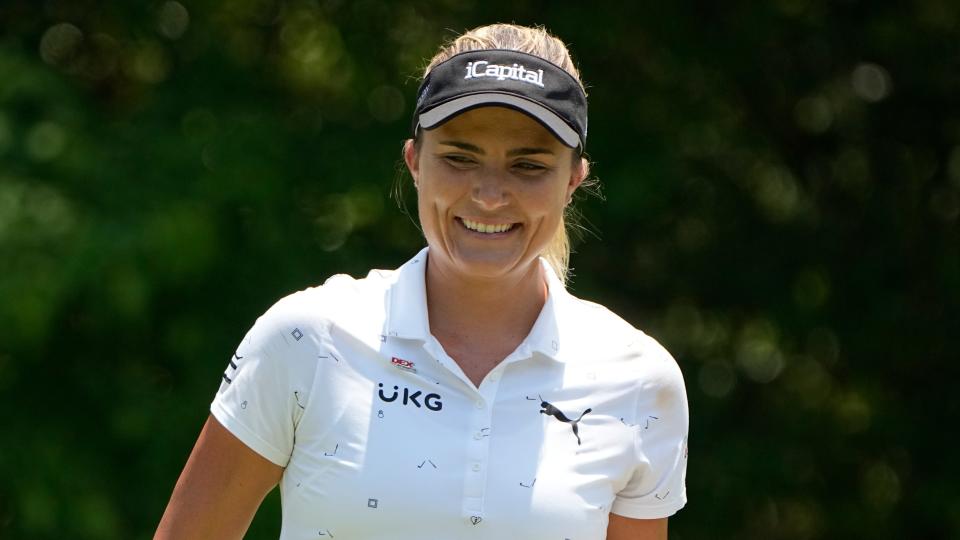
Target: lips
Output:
{"points": [[487, 228]]}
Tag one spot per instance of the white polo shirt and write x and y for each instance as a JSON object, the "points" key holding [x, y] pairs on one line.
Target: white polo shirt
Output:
{"points": [[384, 437]]}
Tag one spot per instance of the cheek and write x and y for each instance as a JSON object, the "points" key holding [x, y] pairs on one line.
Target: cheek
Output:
{"points": [[552, 218], [429, 195], [425, 206], [548, 201], [432, 204], [437, 190]]}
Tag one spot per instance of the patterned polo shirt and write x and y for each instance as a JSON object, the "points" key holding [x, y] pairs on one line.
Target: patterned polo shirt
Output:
{"points": [[383, 436]]}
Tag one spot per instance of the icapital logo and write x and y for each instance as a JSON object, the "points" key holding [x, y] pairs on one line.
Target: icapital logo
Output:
{"points": [[516, 72]]}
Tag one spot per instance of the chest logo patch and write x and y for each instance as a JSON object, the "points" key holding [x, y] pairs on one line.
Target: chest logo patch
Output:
{"points": [[405, 365], [550, 410], [430, 401]]}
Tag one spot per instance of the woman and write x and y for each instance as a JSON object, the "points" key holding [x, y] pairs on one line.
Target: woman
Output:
{"points": [[466, 394]]}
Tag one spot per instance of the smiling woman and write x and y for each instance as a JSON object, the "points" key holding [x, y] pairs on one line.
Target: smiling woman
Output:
{"points": [[491, 170], [467, 393]]}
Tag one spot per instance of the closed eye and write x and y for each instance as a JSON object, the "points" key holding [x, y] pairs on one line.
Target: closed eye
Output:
{"points": [[458, 160], [529, 167], [526, 165]]}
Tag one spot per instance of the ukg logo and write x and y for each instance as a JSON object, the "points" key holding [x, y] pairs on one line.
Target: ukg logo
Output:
{"points": [[430, 401]]}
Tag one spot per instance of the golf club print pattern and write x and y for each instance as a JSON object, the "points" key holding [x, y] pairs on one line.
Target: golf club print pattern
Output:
{"points": [[382, 436]]}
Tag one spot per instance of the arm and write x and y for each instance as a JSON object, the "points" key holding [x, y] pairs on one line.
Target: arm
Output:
{"points": [[219, 490], [624, 528], [657, 488]]}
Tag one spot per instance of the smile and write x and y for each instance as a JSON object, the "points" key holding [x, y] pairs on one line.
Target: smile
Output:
{"points": [[486, 228]]}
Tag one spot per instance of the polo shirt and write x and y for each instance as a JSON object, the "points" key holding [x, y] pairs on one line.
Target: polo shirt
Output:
{"points": [[383, 436]]}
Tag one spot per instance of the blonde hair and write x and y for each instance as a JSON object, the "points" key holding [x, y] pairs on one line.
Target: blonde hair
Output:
{"points": [[539, 42]]}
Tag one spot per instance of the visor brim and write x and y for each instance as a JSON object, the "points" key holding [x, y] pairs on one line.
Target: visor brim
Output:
{"points": [[545, 116]]}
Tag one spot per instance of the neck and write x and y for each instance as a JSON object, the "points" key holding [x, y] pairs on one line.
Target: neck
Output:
{"points": [[487, 317]]}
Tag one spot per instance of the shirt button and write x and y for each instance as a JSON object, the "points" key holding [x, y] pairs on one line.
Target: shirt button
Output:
{"points": [[478, 435], [479, 404], [494, 376], [476, 467]]}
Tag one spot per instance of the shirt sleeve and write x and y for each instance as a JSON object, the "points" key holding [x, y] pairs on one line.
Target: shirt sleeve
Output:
{"points": [[265, 385], [657, 488]]}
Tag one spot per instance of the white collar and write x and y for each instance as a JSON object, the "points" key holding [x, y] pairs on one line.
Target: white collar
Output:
{"points": [[407, 309]]}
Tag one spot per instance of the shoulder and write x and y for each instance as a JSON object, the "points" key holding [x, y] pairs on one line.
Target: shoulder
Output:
{"points": [[599, 329], [592, 319], [341, 301], [334, 291]]}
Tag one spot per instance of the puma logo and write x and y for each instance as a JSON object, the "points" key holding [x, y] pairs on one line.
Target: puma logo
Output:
{"points": [[550, 410]]}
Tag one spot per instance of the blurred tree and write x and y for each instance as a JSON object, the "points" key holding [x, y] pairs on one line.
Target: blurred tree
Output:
{"points": [[782, 192]]}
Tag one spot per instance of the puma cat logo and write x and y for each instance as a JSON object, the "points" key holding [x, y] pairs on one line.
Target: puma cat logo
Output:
{"points": [[550, 410]]}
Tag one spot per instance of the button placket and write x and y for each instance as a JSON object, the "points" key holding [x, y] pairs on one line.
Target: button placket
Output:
{"points": [[478, 449]]}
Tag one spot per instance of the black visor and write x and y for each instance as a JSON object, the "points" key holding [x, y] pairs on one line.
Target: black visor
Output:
{"points": [[513, 79]]}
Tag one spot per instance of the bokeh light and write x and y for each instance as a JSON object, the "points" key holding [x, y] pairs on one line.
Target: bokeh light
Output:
{"points": [[173, 19], [871, 82]]}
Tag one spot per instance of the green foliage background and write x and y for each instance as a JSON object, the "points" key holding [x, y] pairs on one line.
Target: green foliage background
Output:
{"points": [[782, 190]]}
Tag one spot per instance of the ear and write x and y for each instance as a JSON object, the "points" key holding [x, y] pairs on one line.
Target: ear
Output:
{"points": [[578, 173], [412, 159]]}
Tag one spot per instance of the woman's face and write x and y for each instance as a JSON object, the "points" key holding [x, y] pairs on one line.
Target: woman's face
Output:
{"points": [[492, 185]]}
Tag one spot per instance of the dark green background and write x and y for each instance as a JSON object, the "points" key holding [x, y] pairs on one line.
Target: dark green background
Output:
{"points": [[781, 184]]}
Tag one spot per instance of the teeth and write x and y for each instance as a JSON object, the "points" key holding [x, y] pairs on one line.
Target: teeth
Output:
{"points": [[486, 228]]}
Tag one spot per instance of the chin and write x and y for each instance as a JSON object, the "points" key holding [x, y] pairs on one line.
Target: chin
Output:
{"points": [[488, 266]]}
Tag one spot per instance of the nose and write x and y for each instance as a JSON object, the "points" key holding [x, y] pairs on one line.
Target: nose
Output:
{"points": [[489, 191]]}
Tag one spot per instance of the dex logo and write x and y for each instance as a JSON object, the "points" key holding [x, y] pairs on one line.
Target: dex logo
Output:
{"points": [[431, 401]]}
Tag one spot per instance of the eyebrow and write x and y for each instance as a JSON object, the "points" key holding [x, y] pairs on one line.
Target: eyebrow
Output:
{"points": [[525, 151]]}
